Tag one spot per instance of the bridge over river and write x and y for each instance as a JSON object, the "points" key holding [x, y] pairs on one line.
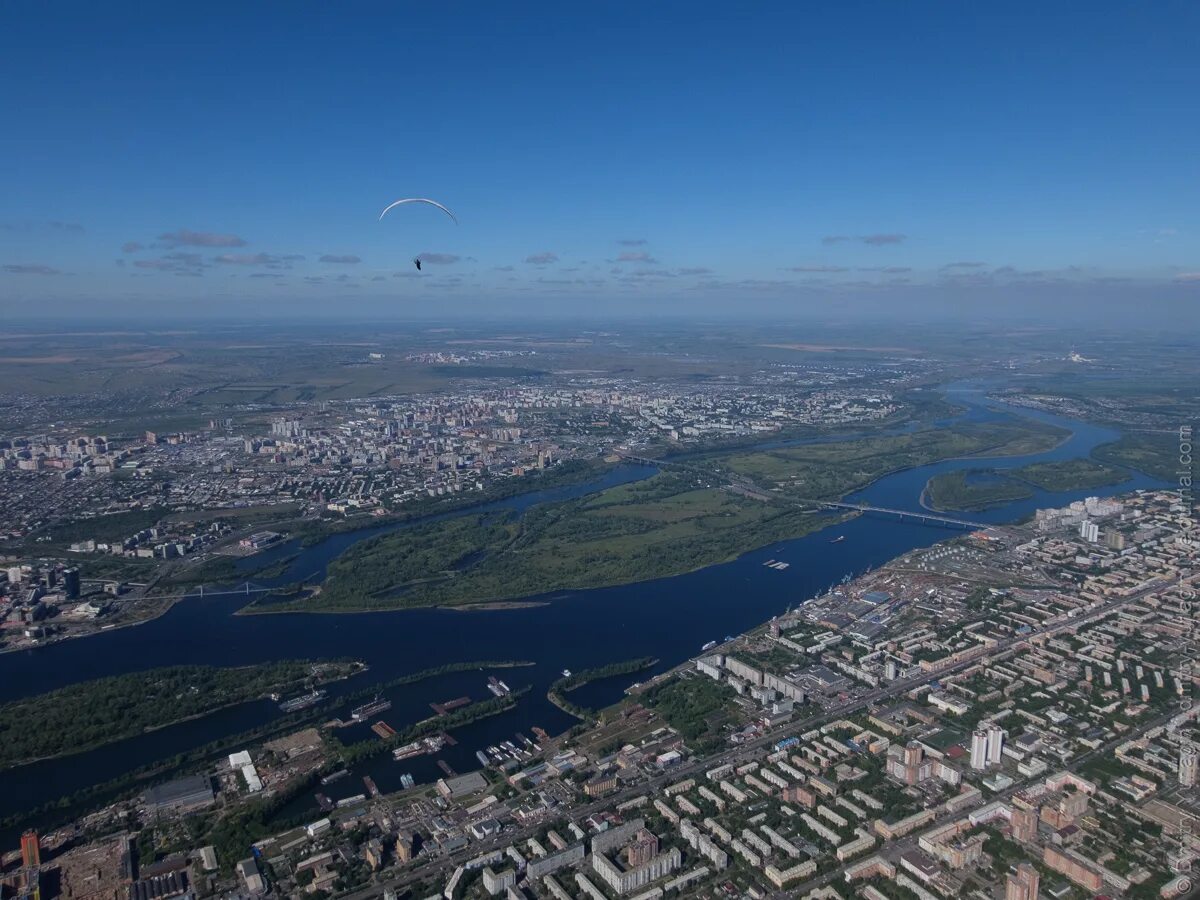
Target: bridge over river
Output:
{"points": [[749, 490]]}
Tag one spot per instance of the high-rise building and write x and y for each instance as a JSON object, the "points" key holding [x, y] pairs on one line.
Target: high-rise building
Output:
{"points": [[979, 749], [71, 583], [31, 849], [1089, 531], [1022, 884], [1024, 825], [995, 745], [643, 849], [913, 754], [404, 847], [1061, 808]]}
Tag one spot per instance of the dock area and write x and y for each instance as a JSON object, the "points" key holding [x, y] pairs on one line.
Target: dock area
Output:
{"points": [[442, 708], [383, 729]]}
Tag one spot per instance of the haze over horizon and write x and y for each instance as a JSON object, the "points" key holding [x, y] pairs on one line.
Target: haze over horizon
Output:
{"points": [[1016, 163]]}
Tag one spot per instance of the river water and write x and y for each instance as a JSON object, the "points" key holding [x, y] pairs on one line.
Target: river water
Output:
{"points": [[668, 619]]}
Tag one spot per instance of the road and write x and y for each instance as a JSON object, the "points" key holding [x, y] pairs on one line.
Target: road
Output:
{"points": [[440, 867]]}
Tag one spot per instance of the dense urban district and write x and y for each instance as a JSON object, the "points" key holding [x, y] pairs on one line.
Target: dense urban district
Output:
{"points": [[1006, 712]]}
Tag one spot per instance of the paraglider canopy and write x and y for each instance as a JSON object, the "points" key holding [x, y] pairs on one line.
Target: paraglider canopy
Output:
{"points": [[392, 206]]}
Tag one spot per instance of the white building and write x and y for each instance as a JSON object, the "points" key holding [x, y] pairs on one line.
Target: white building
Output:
{"points": [[995, 745], [1187, 768], [979, 749]]}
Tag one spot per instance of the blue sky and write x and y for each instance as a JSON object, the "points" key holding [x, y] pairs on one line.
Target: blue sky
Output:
{"points": [[601, 157]]}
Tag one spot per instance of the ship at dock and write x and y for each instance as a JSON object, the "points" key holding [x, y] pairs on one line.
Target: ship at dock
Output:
{"points": [[507, 753], [304, 701], [367, 710], [498, 687], [421, 747]]}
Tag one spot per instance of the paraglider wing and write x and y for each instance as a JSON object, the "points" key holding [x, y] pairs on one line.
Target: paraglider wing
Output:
{"points": [[392, 206]]}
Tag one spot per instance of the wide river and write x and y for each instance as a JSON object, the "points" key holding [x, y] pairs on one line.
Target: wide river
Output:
{"points": [[668, 619]]}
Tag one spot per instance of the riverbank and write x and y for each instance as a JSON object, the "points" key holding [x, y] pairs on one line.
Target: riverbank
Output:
{"points": [[573, 682], [973, 490], [137, 778], [833, 470], [92, 714], [293, 555], [669, 618], [660, 527]]}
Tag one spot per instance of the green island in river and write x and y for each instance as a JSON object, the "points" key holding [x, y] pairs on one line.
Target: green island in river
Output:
{"points": [[130, 782], [675, 522], [968, 490], [1070, 475], [90, 714], [1154, 453], [974, 489]]}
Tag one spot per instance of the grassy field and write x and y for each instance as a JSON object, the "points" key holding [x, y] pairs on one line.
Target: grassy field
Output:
{"points": [[1070, 475], [375, 571], [829, 471], [957, 490], [663, 526]]}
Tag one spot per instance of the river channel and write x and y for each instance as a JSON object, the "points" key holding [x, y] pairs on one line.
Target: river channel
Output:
{"points": [[668, 619]]}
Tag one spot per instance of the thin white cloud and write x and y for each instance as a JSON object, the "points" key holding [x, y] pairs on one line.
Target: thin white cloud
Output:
{"points": [[874, 240], [186, 236], [179, 263], [245, 259], [30, 269]]}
